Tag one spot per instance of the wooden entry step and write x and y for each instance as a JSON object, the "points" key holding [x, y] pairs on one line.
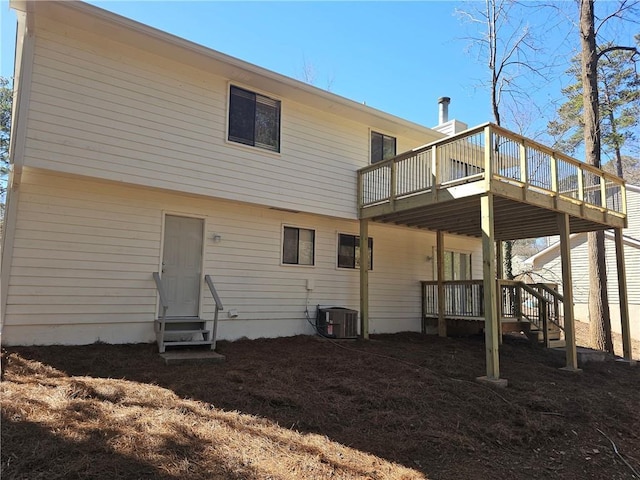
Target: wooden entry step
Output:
{"points": [[182, 331]]}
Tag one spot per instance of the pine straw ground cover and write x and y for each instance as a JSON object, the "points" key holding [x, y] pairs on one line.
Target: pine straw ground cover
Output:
{"points": [[402, 406]]}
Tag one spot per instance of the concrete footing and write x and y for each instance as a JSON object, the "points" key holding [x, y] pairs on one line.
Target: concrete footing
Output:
{"points": [[571, 370], [584, 355], [496, 382], [631, 363], [181, 357]]}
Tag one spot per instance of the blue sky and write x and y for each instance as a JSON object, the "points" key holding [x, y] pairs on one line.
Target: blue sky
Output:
{"points": [[398, 57]]}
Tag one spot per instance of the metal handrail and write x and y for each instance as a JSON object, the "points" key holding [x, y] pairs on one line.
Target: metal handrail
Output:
{"points": [[218, 302], [162, 294]]}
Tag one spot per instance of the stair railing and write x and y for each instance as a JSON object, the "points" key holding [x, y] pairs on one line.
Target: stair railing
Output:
{"points": [[218, 302], [543, 309], [515, 301], [554, 298], [164, 305]]}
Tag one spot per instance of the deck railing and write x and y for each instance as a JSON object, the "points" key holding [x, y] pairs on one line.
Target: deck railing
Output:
{"points": [[537, 304], [462, 298], [507, 156]]}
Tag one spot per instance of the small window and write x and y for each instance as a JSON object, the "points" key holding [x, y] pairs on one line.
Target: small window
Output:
{"points": [[349, 251], [298, 246], [383, 147], [254, 119]]}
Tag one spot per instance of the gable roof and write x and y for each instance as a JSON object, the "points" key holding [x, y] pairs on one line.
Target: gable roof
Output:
{"points": [[553, 250], [124, 30]]}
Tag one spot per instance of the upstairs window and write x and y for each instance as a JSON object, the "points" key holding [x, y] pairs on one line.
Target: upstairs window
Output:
{"points": [[298, 246], [383, 147], [254, 119], [349, 251]]}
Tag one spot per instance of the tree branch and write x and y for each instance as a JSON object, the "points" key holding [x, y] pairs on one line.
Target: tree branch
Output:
{"points": [[604, 51]]}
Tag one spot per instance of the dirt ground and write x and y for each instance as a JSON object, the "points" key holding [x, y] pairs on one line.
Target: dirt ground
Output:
{"points": [[402, 406]]}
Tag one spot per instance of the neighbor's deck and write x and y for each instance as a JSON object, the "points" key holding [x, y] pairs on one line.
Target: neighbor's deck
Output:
{"points": [[439, 186]]}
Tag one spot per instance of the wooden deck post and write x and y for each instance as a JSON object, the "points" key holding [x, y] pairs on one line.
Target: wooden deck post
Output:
{"points": [[499, 276], [442, 321], [567, 292], [622, 293], [364, 278], [491, 328]]}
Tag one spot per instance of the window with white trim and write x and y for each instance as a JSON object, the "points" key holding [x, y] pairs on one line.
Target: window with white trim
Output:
{"points": [[254, 119], [349, 251], [298, 246], [383, 147]]}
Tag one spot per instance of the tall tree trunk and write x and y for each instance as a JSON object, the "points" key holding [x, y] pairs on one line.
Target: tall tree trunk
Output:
{"points": [[614, 127], [599, 318], [616, 149]]}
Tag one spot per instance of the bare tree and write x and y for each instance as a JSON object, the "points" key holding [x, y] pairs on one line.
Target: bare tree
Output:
{"points": [[309, 75], [505, 41]]}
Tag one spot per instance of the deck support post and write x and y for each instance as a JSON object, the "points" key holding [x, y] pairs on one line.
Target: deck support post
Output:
{"points": [[442, 321], [499, 260], [364, 278], [491, 328], [499, 276], [567, 292], [622, 294]]}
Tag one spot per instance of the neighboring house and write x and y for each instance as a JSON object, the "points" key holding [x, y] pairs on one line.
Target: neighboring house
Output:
{"points": [[136, 151], [545, 266]]}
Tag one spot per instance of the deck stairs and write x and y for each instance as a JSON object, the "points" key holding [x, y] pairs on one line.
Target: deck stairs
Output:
{"points": [[534, 309], [183, 331], [176, 331], [537, 306], [555, 337]]}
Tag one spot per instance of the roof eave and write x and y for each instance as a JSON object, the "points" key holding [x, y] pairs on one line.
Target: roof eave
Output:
{"points": [[185, 51]]}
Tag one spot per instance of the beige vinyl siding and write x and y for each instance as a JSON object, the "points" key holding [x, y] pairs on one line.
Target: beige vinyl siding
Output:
{"points": [[85, 251], [551, 271], [102, 109]]}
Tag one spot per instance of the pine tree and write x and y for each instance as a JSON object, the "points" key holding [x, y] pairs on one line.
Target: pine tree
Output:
{"points": [[618, 106]]}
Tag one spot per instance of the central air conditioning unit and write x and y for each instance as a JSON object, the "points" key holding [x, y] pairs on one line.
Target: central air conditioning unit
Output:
{"points": [[337, 322]]}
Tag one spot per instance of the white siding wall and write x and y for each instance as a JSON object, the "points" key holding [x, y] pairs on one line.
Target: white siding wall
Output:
{"points": [[102, 109], [85, 251]]}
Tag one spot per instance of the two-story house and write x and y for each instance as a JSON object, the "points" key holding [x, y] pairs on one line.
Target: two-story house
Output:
{"points": [[151, 175]]}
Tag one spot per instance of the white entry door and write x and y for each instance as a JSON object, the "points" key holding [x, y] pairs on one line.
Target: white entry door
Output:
{"points": [[182, 264]]}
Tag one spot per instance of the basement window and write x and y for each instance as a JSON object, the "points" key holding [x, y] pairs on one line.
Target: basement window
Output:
{"points": [[254, 119], [298, 246], [349, 251]]}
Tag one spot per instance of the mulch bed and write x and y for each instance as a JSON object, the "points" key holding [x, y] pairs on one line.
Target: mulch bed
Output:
{"points": [[397, 406]]}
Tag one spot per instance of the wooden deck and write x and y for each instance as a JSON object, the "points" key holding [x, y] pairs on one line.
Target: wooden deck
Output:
{"points": [[493, 184], [439, 187]]}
